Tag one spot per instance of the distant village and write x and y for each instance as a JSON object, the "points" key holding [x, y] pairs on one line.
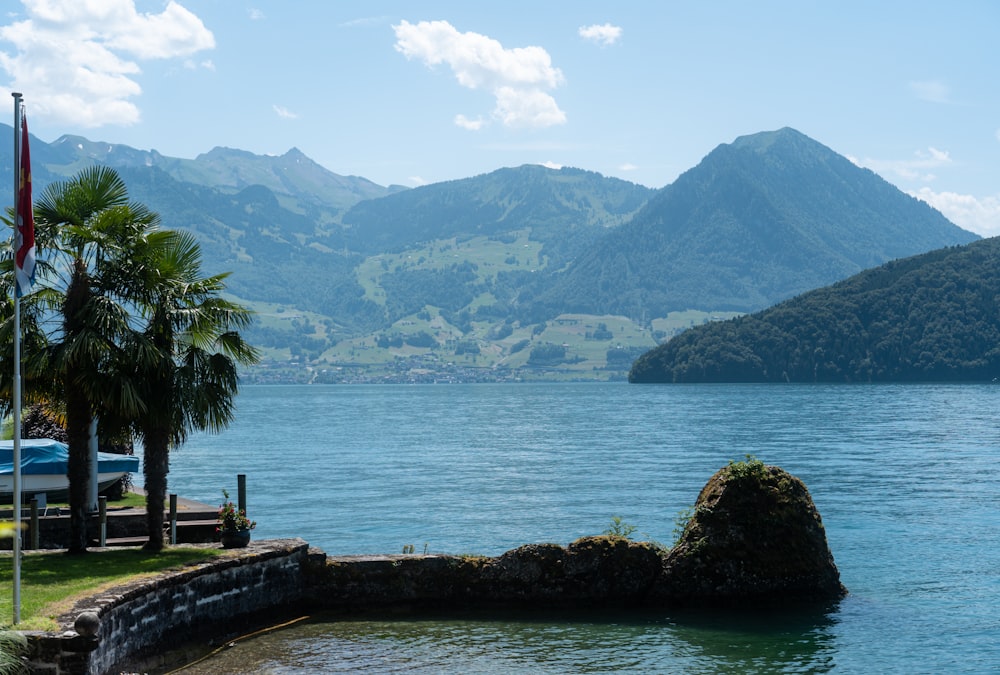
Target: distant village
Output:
{"points": [[415, 370]]}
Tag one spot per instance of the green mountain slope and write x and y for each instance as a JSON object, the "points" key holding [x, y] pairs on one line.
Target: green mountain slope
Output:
{"points": [[274, 255], [521, 272], [757, 221], [931, 317], [564, 209]]}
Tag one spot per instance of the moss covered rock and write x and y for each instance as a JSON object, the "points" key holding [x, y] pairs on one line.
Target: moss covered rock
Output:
{"points": [[754, 536], [613, 568], [605, 569], [533, 571]]}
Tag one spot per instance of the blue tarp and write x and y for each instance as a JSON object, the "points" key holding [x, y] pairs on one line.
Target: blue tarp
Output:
{"points": [[44, 456]]}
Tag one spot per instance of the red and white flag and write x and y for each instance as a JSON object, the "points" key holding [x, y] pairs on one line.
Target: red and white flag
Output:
{"points": [[25, 235]]}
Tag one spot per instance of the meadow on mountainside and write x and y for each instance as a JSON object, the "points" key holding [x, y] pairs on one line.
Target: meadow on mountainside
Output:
{"points": [[522, 273]]}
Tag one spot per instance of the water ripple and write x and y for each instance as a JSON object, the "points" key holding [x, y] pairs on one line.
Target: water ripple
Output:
{"points": [[906, 479]]}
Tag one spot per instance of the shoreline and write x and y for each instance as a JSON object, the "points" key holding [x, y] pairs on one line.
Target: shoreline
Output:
{"points": [[754, 538], [183, 614]]}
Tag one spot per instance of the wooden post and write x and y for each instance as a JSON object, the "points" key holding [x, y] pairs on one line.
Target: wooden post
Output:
{"points": [[102, 509], [241, 492], [173, 519], [35, 544]]}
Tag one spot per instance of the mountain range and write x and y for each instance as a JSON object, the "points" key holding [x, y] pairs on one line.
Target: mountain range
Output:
{"points": [[515, 273]]}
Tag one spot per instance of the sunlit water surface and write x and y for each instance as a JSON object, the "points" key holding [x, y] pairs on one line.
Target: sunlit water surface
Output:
{"points": [[905, 478]]}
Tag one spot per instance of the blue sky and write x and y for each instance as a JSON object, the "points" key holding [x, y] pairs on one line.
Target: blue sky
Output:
{"points": [[420, 92]]}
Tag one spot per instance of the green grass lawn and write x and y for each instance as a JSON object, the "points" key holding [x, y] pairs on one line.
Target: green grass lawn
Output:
{"points": [[128, 499], [52, 582]]}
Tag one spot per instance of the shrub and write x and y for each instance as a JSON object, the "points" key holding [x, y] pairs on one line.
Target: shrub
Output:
{"points": [[619, 528], [749, 469]]}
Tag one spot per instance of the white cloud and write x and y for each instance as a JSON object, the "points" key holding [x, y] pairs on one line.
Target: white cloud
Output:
{"points": [[552, 165], [77, 58], [255, 14], [471, 125], [519, 78], [628, 166], [920, 167], [173, 32], [933, 91], [979, 215], [998, 134], [527, 108], [285, 113], [417, 181], [604, 35]]}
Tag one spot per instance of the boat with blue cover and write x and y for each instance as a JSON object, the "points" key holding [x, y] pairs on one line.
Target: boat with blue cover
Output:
{"points": [[43, 468]]}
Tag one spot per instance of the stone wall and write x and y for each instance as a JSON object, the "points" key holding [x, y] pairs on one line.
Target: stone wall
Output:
{"points": [[600, 570], [173, 608]]}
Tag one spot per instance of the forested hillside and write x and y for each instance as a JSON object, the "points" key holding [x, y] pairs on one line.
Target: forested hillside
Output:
{"points": [[929, 318], [758, 221], [565, 209]]}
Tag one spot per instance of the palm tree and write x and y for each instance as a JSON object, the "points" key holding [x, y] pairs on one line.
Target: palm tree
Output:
{"points": [[145, 342], [97, 230], [186, 364]]}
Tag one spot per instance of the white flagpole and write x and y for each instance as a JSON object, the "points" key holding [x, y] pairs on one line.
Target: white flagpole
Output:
{"points": [[17, 367]]}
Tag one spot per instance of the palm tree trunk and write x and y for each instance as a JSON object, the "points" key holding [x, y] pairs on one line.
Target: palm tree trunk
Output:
{"points": [[78, 416], [155, 466], [78, 439], [156, 434]]}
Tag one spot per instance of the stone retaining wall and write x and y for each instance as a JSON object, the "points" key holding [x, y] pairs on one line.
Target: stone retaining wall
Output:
{"points": [[173, 608], [592, 571]]}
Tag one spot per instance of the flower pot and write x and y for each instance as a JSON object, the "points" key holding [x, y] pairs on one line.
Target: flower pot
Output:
{"points": [[235, 539]]}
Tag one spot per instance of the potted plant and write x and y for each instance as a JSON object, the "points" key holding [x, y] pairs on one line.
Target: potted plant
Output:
{"points": [[233, 525]]}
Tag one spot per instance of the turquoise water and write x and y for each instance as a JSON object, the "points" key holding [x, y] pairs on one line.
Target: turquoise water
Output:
{"points": [[905, 478]]}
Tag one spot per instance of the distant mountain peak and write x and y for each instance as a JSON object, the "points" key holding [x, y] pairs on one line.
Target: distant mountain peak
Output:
{"points": [[222, 152], [757, 221], [763, 139], [786, 143]]}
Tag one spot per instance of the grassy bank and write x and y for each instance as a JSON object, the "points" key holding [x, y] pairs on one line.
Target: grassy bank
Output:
{"points": [[52, 582]]}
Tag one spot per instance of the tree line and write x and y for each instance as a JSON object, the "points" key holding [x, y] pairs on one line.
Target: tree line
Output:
{"points": [[929, 318]]}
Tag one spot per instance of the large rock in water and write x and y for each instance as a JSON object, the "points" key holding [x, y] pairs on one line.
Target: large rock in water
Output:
{"points": [[754, 537]]}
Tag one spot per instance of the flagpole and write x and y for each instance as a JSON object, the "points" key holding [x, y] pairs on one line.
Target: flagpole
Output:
{"points": [[17, 365]]}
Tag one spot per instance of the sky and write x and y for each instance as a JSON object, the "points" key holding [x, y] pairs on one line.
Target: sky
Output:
{"points": [[412, 93]]}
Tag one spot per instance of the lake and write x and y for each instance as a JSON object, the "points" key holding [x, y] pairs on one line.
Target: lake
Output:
{"points": [[904, 476]]}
